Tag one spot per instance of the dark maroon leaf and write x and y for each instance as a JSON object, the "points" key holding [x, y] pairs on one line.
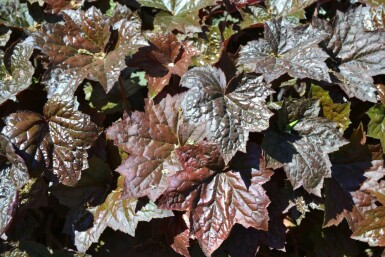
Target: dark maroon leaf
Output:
{"points": [[14, 176], [83, 44], [16, 70], [58, 140], [305, 152], [164, 57], [216, 197], [229, 111], [151, 139], [118, 214], [56, 6], [360, 52], [286, 49]]}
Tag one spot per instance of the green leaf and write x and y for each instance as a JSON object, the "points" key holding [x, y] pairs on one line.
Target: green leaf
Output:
{"points": [[336, 112], [376, 126]]}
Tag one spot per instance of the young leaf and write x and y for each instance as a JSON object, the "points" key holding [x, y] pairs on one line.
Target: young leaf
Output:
{"points": [[181, 15], [336, 112], [118, 214], [229, 111], [164, 57], [218, 197], [286, 49], [58, 140], [16, 70], [376, 126], [83, 44], [151, 139], [360, 52]]}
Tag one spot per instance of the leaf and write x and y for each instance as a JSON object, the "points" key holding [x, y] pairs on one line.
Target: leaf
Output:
{"points": [[374, 19], [57, 141], [210, 45], [14, 175], [84, 45], [56, 6], [286, 49], [279, 8], [336, 112], [163, 58], [16, 70], [304, 150], [229, 111], [118, 214], [371, 229], [4, 37], [360, 53], [16, 15], [376, 124], [216, 197], [181, 15], [151, 139]]}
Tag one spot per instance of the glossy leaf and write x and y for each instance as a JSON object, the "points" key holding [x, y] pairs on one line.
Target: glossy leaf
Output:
{"points": [[57, 141], [16, 15], [360, 53], [163, 58], [151, 139], [118, 214], [56, 6], [229, 111], [217, 198], [181, 14], [16, 70], [83, 44], [279, 8], [304, 153], [286, 49], [371, 229]]}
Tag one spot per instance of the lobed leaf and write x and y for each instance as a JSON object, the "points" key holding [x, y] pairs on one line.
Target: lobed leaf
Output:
{"points": [[57, 141], [286, 49], [229, 111]]}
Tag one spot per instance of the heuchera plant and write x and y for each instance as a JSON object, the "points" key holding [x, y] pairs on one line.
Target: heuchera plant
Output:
{"points": [[192, 128]]}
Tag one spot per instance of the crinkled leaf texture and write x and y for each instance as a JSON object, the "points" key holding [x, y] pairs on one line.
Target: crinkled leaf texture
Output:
{"points": [[217, 196], [229, 111], [372, 228], [16, 70], [361, 53], [13, 176], [56, 6], [57, 141], [286, 49], [118, 214], [164, 57], [304, 150], [151, 139], [280, 8], [83, 44], [178, 14]]}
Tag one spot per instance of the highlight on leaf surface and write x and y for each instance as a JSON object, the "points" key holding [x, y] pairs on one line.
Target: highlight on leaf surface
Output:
{"points": [[230, 110]]}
